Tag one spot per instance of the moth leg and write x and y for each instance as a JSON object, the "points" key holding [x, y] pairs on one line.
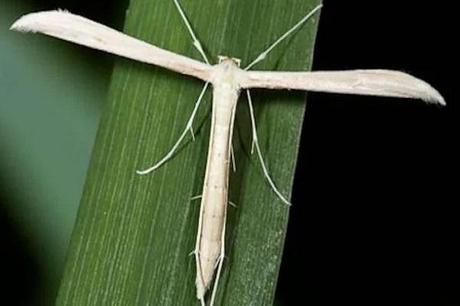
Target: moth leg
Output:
{"points": [[192, 133], [196, 197], [264, 54], [182, 136], [232, 157], [259, 154], [196, 42]]}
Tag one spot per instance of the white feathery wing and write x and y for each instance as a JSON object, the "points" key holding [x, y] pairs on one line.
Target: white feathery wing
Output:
{"points": [[83, 31], [388, 83], [80, 30]]}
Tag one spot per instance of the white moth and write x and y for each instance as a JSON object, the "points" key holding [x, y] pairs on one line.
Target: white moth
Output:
{"points": [[227, 80]]}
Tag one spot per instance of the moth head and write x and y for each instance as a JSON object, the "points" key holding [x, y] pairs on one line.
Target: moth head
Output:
{"points": [[232, 60]]}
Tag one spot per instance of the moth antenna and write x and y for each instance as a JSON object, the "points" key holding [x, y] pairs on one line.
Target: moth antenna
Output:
{"points": [[182, 136], [264, 54], [196, 42], [259, 153]]}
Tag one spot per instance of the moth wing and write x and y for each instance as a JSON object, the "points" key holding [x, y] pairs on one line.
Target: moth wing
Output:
{"points": [[387, 83], [64, 25]]}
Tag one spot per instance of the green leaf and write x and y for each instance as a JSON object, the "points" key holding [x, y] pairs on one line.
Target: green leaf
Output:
{"points": [[134, 233]]}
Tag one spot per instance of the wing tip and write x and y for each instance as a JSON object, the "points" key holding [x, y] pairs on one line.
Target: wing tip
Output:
{"points": [[419, 88], [34, 22], [437, 99], [23, 23], [432, 96]]}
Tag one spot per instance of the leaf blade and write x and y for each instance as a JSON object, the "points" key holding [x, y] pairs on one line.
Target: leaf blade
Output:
{"points": [[133, 233]]}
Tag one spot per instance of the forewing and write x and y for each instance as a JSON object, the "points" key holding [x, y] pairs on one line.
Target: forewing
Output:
{"points": [[80, 30], [359, 82]]}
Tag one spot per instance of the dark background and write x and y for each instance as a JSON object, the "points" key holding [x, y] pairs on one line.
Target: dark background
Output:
{"points": [[374, 217]]}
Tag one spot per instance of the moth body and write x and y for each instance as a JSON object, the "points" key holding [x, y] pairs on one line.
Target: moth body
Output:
{"points": [[209, 250]]}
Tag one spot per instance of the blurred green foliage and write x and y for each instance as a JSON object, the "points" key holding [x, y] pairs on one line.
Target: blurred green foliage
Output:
{"points": [[49, 109]]}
